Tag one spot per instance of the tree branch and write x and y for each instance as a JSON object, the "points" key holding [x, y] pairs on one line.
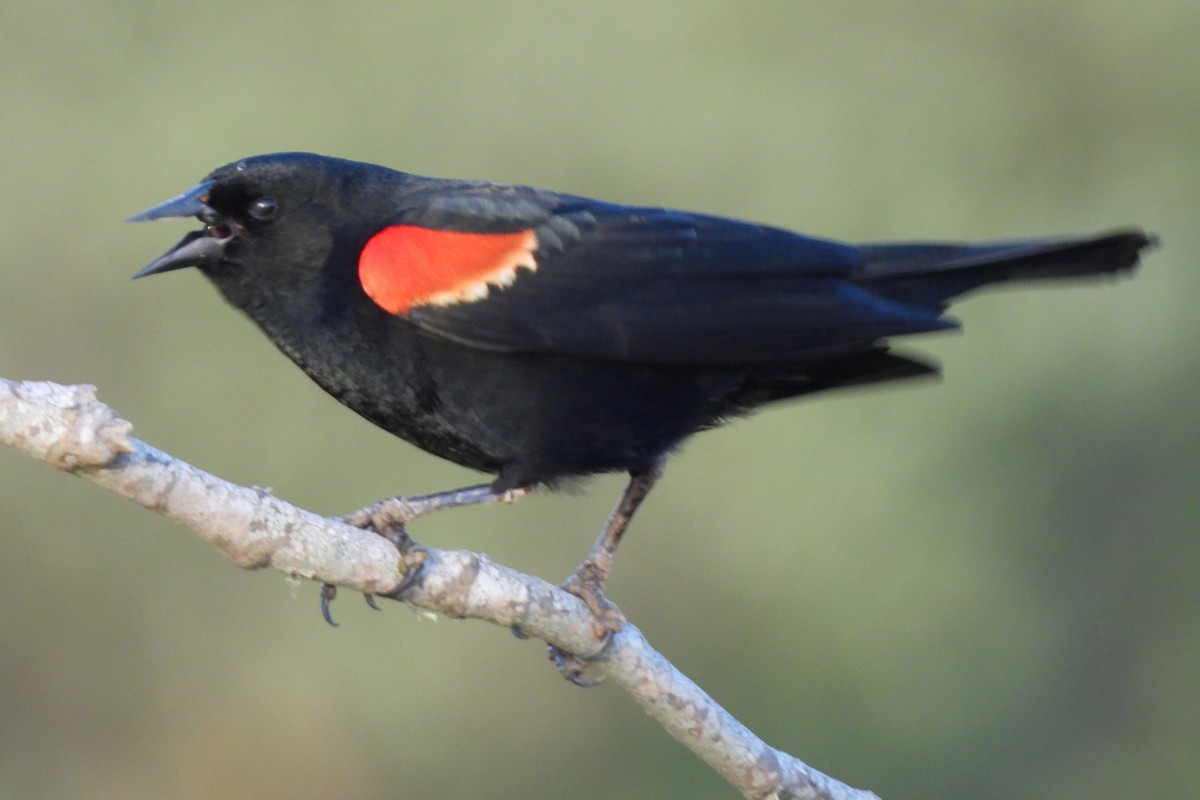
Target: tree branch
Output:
{"points": [[66, 427]]}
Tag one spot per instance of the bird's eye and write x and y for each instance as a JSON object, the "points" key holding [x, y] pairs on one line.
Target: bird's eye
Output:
{"points": [[263, 208]]}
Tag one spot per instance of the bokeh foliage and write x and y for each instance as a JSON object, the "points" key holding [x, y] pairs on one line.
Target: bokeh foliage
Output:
{"points": [[984, 587]]}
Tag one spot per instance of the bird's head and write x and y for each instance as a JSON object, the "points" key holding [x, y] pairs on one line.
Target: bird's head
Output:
{"points": [[269, 223]]}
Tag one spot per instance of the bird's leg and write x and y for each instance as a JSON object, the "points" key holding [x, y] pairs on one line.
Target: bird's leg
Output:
{"points": [[392, 514], [587, 581], [388, 517]]}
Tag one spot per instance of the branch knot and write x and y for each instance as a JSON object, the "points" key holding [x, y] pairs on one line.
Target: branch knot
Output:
{"points": [[81, 433]]}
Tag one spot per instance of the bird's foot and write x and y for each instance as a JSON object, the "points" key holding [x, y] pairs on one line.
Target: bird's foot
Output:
{"points": [[389, 517], [587, 583]]}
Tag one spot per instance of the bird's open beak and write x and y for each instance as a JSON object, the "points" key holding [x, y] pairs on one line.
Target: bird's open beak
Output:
{"points": [[192, 203], [198, 248]]}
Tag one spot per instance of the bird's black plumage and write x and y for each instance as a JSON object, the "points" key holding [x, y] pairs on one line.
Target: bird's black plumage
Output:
{"points": [[536, 335], [638, 326]]}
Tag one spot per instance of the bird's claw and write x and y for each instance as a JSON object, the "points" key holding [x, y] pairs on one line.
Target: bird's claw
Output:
{"points": [[387, 526], [607, 620], [573, 666], [412, 562], [587, 584], [328, 593]]}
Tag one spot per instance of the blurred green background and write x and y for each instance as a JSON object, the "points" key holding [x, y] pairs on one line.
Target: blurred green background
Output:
{"points": [[987, 587]]}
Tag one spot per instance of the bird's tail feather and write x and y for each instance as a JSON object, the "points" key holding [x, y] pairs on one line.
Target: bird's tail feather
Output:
{"points": [[934, 273]]}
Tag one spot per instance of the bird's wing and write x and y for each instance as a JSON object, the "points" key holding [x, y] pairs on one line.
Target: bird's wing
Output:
{"points": [[518, 270]]}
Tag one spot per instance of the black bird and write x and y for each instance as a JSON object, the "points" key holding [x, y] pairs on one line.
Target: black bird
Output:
{"points": [[539, 336]]}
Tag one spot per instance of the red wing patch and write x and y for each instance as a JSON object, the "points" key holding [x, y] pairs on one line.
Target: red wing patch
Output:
{"points": [[405, 266]]}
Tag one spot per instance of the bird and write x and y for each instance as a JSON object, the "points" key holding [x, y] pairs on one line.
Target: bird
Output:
{"points": [[543, 337]]}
